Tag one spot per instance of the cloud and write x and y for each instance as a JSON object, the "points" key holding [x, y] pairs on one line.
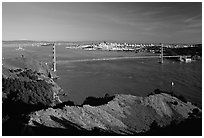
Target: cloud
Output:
{"points": [[194, 18]]}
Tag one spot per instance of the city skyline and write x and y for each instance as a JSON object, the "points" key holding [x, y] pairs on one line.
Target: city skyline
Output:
{"points": [[141, 22]]}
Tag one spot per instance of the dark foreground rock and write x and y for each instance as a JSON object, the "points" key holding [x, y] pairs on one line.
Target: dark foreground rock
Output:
{"points": [[159, 114]]}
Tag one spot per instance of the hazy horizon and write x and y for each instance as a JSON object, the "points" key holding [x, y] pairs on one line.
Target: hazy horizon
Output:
{"points": [[149, 22]]}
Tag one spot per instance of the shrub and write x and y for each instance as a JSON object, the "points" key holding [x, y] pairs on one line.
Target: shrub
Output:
{"points": [[96, 101], [25, 92]]}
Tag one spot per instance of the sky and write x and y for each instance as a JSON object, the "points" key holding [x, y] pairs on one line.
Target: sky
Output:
{"points": [[139, 22]]}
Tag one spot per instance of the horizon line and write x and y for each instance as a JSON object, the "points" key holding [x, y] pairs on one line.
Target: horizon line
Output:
{"points": [[122, 41]]}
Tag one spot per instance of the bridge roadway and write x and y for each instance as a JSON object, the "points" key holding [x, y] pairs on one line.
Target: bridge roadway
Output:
{"points": [[112, 58]]}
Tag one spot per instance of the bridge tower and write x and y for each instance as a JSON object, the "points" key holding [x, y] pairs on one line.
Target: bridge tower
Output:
{"points": [[54, 58], [162, 56]]}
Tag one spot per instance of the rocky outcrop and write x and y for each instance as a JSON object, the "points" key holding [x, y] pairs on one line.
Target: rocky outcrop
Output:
{"points": [[125, 114]]}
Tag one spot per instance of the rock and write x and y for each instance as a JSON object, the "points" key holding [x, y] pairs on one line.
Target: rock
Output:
{"points": [[125, 114]]}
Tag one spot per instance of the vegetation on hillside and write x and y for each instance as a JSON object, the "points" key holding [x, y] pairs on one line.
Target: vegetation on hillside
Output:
{"points": [[96, 101], [184, 51], [25, 92]]}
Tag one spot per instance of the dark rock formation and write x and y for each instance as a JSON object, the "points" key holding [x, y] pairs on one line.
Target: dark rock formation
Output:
{"points": [[124, 115]]}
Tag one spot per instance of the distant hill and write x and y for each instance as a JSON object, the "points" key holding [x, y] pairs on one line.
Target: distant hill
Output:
{"points": [[23, 42]]}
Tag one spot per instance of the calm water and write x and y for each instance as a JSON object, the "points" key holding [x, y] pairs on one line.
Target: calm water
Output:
{"points": [[127, 76], [130, 76]]}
